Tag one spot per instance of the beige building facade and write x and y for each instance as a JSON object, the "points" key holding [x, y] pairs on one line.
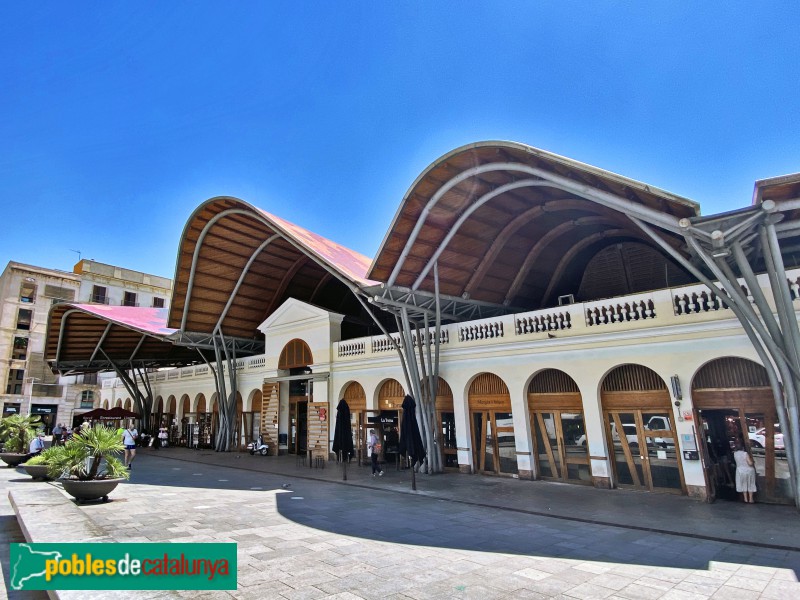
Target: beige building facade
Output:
{"points": [[28, 292]]}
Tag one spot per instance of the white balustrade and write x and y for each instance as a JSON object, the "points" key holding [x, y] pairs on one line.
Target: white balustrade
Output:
{"points": [[619, 311], [554, 321], [480, 331]]}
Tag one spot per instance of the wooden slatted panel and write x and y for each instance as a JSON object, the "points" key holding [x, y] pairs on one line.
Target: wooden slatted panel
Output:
{"points": [[444, 396], [632, 387], [355, 396], [730, 373], [552, 381], [256, 401], [270, 406], [566, 401], [295, 354], [391, 394], [489, 392], [488, 384], [630, 378]]}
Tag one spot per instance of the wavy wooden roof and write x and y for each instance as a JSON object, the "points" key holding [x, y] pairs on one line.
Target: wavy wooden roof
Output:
{"points": [[237, 264], [88, 337], [509, 224]]}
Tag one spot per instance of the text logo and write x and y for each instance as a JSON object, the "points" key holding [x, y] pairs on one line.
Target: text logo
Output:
{"points": [[123, 566]]}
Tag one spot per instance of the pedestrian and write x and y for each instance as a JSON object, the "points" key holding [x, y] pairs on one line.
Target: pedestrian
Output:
{"points": [[58, 432], [129, 436], [162, 437], [745, 473], [374, 446]]}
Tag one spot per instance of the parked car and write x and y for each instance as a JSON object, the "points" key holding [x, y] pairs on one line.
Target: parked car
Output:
{"points": [[758, 439], [659, 423], [630, 434]]}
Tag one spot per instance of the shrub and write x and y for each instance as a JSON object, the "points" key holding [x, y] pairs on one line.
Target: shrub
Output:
{"points": [[17, 431]]}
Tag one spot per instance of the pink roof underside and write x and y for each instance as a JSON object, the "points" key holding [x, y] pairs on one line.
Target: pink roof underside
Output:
{"points": [[349, 262], [152, 321]]}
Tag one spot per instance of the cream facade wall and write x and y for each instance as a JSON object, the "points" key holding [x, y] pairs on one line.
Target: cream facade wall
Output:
{"points": [[674, 332]]}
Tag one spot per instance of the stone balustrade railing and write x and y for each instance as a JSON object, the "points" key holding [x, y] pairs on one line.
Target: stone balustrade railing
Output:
{"points": [[673, 306]]}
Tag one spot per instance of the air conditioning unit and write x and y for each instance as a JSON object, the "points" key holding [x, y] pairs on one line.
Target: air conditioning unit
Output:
{"points": [[566, 299]]}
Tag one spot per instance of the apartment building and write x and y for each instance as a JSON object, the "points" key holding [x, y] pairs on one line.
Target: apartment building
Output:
{"points": [[27, 293]]}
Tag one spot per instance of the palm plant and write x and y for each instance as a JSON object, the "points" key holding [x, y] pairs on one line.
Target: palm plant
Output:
{"points": [[17, 431], [89, 455]]}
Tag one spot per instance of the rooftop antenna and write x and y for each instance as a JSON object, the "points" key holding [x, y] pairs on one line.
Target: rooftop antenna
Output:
{"points": [[79, 254]]}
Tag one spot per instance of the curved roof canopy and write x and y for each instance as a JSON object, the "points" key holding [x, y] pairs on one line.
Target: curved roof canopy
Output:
{"points": [[509, 224], [237, 264], [95, 337]]}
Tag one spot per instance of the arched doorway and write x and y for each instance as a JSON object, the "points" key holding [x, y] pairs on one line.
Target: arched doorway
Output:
{"points": [[294, 360], [494, 446], [251, 420], [172, 421], [561, 450], [446, 421], [733, 402], [640, 431], [356, 399], [386, 420]]}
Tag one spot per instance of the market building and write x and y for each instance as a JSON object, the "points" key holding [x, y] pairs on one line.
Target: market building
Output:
{"points": [[558, 316]]}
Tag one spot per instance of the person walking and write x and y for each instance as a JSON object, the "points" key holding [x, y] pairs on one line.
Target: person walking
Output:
{"points": [[129, 441], [58, 433], [374, 447], [745, 473]]}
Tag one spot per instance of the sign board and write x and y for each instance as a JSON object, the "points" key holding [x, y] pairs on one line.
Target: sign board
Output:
{"points": [[318, 427]]}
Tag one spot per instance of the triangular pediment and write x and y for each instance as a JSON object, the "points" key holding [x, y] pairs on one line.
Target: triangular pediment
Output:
{"points": [[295, 313]]}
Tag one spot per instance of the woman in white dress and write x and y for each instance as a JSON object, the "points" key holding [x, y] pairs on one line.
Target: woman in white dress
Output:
{"points": [[745, 473]]}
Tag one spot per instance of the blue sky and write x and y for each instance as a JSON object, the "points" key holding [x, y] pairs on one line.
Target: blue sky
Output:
{"points": [[117, 119]]}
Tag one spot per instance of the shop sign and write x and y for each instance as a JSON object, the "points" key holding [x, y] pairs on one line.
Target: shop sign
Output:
{"points": [[43, 409], [10, 409]]}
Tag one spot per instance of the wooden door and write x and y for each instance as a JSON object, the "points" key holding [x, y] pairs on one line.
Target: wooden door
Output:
{"points": [[645, 450]]}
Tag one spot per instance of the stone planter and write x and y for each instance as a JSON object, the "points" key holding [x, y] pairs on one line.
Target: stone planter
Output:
{"points": [[93, 489], [13, 459], [36, 471]]}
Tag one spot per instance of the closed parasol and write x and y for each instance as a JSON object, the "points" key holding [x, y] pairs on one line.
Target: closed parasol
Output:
{"points": [[343, 436], [411, 445]]}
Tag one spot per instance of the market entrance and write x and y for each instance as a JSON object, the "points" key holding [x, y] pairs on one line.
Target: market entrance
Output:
{"points": [[494, 446], [640, 431], [734, 403], [560, 447], [356, 399], [294, 361]]}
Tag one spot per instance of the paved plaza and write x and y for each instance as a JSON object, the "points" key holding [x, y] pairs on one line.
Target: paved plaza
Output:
{"points": [[304, 533]]}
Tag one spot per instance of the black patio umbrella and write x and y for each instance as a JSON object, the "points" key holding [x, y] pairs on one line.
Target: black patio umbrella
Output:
{"points": [[343, 436], [410, 439]]}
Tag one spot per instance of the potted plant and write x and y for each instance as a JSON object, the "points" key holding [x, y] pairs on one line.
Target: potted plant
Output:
{"points": [[87, 465], [37, 466], [16, 432]]}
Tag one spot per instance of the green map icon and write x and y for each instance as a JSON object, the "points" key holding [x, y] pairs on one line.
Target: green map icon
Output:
{"points": [[27, 565]]}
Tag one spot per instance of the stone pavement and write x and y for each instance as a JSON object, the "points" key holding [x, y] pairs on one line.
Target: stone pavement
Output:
{"points": [[304, 533]]}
